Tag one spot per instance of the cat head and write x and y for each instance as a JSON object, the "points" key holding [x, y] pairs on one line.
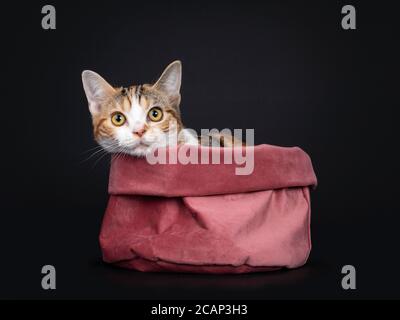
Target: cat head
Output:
{"points": [[136, 119]]}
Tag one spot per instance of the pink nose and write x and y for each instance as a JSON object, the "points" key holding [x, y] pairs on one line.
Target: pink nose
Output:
{"points": [[139, 132]]}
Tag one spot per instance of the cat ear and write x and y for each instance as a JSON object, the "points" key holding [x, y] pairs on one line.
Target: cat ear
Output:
{"points": [[97, 90], [170, 80]]}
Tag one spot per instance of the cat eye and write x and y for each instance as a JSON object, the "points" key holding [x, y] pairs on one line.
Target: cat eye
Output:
{"points": [[155, 114], [118, 119]]}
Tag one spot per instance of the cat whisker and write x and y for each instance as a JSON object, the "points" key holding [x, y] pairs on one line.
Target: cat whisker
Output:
{"points": [[101, 157], [102, 152], [102, 149], [91, 149], [94, 154], [109, 150]]}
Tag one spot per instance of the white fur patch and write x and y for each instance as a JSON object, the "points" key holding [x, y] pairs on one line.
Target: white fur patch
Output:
{"points": [[131, 143], [136, 116]]}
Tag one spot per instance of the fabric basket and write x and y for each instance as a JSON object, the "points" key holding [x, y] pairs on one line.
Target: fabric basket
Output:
{"points": [[205, 218]]}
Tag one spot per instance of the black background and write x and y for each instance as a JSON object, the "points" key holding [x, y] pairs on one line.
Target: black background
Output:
{"points": [[287, 69]]}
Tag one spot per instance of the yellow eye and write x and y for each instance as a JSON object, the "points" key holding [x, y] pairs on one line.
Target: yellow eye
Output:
{"points": [[155, 114], [118, 119]]}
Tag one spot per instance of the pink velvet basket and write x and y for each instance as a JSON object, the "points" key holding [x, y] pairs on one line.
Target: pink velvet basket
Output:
{"points": [[204, 218]]}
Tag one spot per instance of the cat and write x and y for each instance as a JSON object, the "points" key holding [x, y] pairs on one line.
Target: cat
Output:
{"points": [[137, 119]]}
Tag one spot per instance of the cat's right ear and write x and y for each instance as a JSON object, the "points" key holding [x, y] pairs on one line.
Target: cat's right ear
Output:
{"points": [[97, 90]]}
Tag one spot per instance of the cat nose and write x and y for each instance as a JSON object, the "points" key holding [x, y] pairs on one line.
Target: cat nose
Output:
{"points": [[139, 132]]}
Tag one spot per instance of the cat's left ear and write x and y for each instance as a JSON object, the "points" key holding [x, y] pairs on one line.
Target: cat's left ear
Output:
{"points": [[170, 81]]}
